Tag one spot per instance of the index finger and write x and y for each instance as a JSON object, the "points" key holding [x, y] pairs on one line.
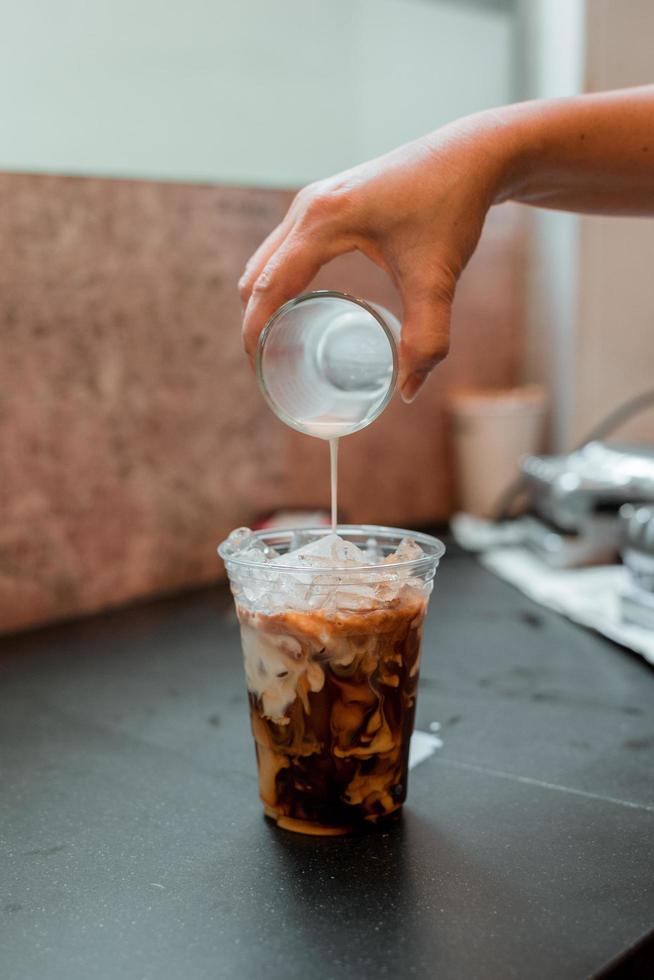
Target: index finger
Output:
{"points": [[258, 259], [287, 272]]}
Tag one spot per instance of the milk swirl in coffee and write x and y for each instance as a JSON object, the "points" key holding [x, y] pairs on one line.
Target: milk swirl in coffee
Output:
{"points": [[331, 641]]}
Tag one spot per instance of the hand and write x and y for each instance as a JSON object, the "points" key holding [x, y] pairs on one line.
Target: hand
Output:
{"points": [[417, 213]]}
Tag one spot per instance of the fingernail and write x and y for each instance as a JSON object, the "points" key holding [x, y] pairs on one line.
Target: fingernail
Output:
{"points": [[412, 386]]}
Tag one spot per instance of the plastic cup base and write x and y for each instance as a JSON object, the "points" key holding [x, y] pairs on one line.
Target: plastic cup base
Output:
{"points": [[297, 826]]}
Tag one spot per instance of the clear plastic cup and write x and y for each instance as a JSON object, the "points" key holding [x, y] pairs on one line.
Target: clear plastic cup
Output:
{"points": [[327, 362], [331, 664]]}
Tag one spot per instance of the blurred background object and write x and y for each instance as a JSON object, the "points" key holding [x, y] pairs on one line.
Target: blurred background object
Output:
{"points": [[637, 527], [146, 150], [492, 430], [576, 500]]}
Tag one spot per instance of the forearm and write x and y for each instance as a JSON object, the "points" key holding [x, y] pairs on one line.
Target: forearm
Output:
{"points": [[592, 153], [418, 211]]}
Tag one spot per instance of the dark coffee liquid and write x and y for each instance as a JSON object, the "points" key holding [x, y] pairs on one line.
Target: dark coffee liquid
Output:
{"points": [[337, 757]]}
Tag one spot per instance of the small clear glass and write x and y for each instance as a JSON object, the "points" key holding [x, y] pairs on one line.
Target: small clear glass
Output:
{"points": [[327, 362]]}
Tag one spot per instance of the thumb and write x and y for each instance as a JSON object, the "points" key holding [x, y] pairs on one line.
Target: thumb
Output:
{"points": [[425, 336]]}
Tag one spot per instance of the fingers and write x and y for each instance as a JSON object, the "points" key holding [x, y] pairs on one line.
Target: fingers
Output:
{"points": [[286, 273], [257, 261], [425, 335]]}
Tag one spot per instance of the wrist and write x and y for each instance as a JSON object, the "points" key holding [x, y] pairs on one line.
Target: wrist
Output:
{"points": [[510, 146], [496, 150]]}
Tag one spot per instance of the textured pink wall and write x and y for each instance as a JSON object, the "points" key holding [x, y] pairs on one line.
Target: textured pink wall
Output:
{"points": [[132, 435]]}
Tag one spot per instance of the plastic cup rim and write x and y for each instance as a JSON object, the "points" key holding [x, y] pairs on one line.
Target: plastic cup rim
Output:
{"points": [[418, 564]]}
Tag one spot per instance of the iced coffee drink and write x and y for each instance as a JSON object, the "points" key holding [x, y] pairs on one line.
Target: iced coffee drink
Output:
{"points": [[331, 627]]}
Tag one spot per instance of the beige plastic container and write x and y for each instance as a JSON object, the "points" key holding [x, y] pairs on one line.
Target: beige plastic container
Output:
{"points": [[492, 429]]}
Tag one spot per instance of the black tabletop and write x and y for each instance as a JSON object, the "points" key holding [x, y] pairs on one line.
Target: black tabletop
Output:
{"points": [[133, 844]]}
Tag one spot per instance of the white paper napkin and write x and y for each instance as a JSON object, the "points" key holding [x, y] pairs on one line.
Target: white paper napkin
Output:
{"points": [[590, 596]]}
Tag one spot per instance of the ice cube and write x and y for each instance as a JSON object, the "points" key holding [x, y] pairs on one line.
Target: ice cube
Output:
{"points": [[330, 551], [357, 596], [258, 554], [255, 590], [239, 539], [407, 550], [256, 582], [290, 592], [244, 543], [298, 539]]}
